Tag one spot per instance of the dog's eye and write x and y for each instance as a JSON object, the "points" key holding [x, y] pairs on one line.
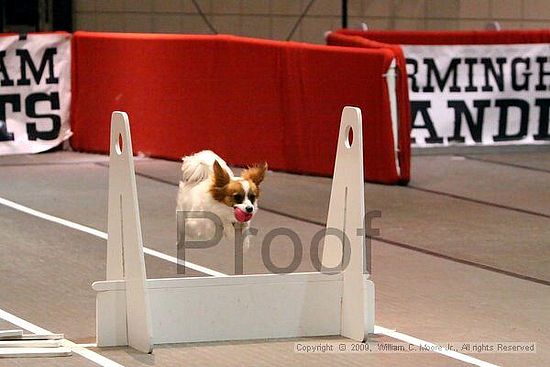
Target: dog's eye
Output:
{"points": [[252, 197], [238, 198]]}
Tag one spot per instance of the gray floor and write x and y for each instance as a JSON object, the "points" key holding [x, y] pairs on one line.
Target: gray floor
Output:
{"points": [[463, 254]]}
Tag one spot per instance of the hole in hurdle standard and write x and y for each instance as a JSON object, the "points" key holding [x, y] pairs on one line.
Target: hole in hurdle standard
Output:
{"points": [[119, 145], [349, 137]]}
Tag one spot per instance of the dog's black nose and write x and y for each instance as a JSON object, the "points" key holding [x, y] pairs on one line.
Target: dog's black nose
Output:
{"points": [[249, 209]]}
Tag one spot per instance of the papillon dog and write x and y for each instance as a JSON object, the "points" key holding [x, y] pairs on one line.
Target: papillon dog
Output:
{"points": [[209, 185]]}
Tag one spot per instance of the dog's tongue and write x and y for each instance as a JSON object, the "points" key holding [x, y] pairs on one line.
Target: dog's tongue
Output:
{"points": [[242, 216]]}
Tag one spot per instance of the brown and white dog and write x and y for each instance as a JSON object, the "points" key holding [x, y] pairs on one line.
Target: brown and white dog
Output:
{"points": [[209, 185]]}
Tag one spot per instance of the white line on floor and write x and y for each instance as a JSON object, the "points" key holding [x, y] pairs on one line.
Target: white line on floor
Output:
{"points": [[377, 329], [86, 345], [187, 264], [86, 353], [100, 234], [415, 341]]}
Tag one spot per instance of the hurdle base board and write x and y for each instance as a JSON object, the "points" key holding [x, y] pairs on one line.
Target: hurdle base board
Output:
{"points": [[36, 337], [240, 307], [31, 343], [10, 333], [34, 352]]}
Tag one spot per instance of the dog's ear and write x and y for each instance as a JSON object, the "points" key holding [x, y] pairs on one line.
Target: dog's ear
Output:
{"points": [[255, 173], [221, 177]]}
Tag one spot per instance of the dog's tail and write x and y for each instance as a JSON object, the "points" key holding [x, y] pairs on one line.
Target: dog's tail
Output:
{"points": [[198, 167]]}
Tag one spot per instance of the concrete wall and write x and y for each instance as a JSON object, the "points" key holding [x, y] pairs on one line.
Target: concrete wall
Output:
{"points": [[274, 18]]}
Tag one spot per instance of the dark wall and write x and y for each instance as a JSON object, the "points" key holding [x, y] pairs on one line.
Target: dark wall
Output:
{"points": [[35, 15]]}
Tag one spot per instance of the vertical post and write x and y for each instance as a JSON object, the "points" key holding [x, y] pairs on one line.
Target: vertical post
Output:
{"points": [[125, 258], [347, 214], [344, 14]]}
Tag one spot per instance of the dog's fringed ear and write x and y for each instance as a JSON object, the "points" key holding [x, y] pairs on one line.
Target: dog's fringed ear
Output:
{"points": [[255, 173], [221, 177]]}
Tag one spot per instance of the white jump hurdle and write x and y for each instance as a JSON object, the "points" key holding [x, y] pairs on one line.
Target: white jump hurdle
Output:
{"points": [[139, 312]]}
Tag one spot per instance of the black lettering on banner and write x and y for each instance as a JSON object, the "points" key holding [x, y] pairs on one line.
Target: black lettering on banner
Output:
{"points": [[544, 105], [542, 73], [476, 128], [526, 74], [47, 60], [412, 75], [15, 101], [30, 107], [470, 62], [423, 107], [6, 81], [498, 77], [441, 82], [504, 105]]}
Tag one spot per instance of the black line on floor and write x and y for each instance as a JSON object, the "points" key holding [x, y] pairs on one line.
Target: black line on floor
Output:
{"points": [[427, 252], [401, 244], [515, 165], [462, 261], [305, 220], [442, 193], [151, 177], [477, 201]]}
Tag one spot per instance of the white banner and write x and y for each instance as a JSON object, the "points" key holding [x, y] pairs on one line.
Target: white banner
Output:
{"points": [[35, 92], [479, 94]]}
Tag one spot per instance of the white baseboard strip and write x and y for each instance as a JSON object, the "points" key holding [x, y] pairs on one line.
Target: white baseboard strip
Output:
{"points": [[30, 344], [34, 352], [4, 334], [34, 337]]}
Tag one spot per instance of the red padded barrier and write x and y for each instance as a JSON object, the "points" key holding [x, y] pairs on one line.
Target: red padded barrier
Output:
{"points": [[249, 100], [484, 37]]}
